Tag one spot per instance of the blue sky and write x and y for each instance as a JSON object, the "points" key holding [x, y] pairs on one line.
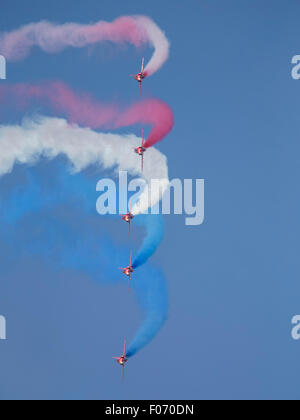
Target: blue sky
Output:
{"points": [[234, 281]]}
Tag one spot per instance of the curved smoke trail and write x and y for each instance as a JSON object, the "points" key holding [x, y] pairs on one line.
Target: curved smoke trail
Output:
{"points": [[84, 110], [53, 38], [154, 236], [31, 224], [155, 305], [51, 137]]}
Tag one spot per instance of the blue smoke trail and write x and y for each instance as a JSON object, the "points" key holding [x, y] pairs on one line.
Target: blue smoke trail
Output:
{"points": [[34, 221], [154, 235], [154, 300]]}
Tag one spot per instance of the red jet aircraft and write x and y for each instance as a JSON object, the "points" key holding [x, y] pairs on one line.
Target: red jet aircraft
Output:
{"points": [[128, 217], [141, 150], [140, 76], [128, 270], [122, 360]]}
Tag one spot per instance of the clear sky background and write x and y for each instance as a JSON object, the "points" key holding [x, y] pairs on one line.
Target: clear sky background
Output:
{"points": [[234, 281]]}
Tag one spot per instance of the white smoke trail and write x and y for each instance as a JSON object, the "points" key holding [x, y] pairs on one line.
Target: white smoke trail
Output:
{"points": [[159, 41], [53, 38], [51, 137]]}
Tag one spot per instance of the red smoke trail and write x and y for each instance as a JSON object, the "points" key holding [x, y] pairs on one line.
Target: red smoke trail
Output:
{"points": [[151, 111], [82, 109]]}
